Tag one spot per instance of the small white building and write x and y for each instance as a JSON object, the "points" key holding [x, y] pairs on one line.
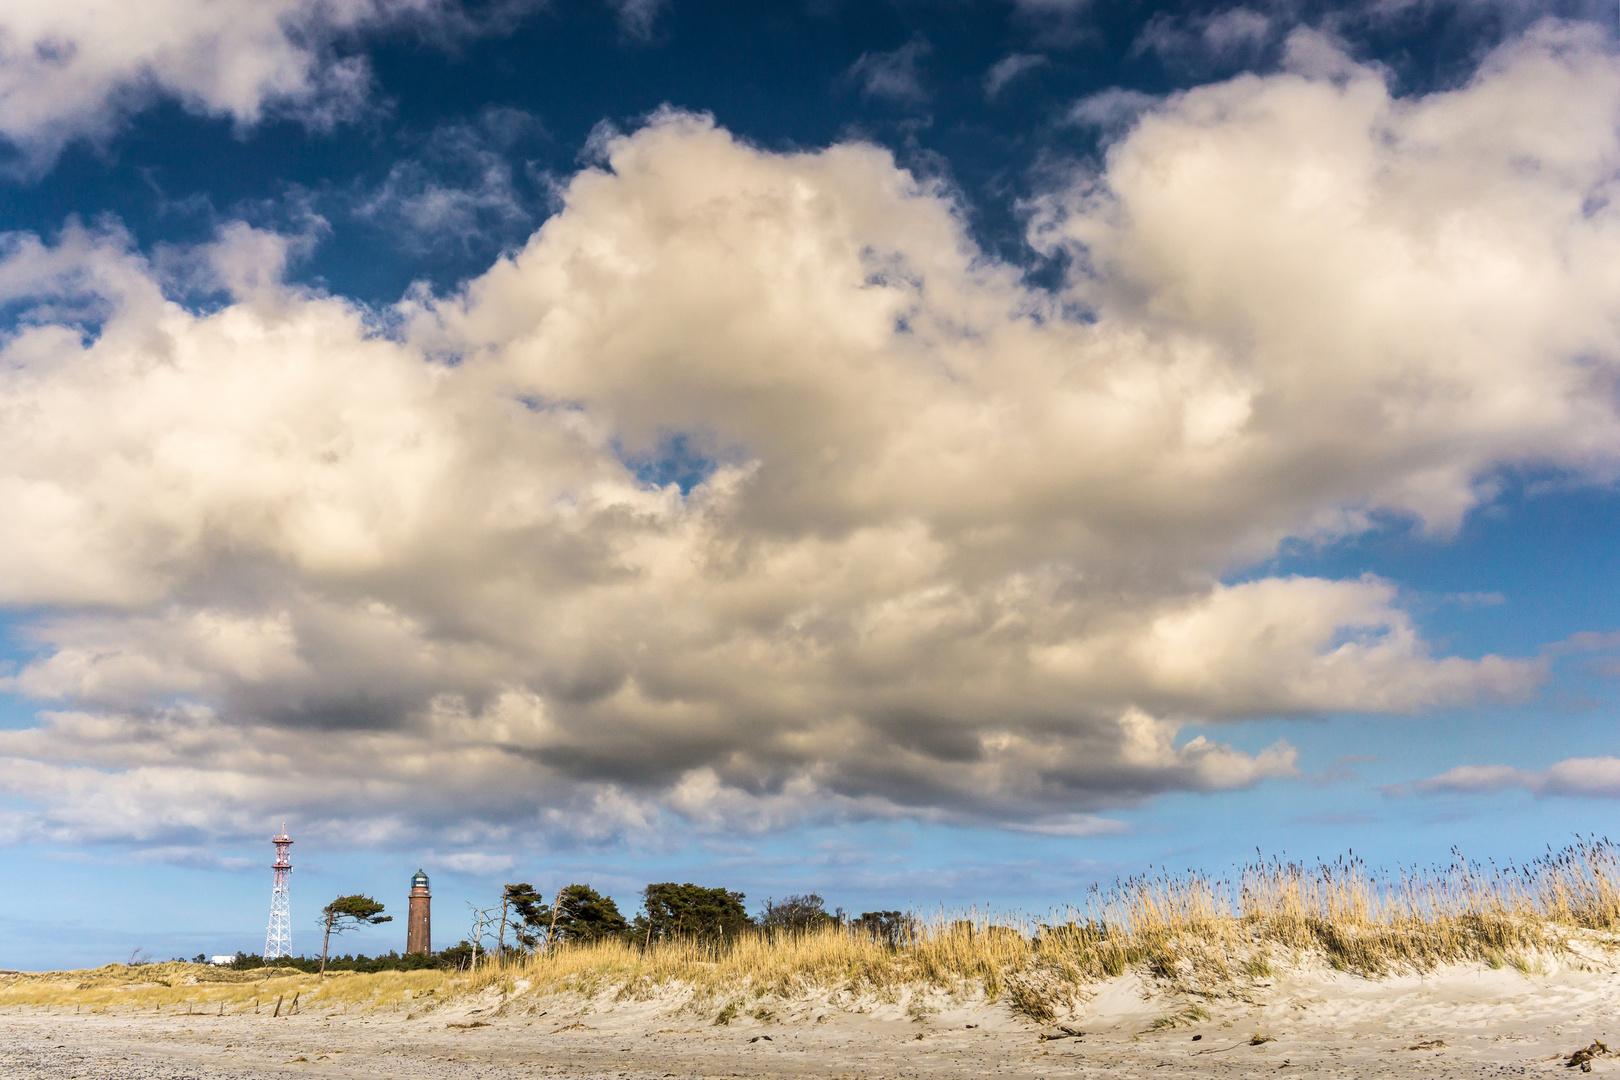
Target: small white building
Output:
{"points": [[222, 961]]}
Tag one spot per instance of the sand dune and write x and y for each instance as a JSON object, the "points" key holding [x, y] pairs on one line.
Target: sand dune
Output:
{"points": [[1461, 1020]]}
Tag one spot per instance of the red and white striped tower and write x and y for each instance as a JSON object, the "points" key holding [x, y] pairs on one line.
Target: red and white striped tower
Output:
{"points": [[278, 939]]}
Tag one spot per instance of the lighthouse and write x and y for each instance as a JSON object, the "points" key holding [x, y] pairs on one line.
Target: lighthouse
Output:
{"points": [[418, 923]]}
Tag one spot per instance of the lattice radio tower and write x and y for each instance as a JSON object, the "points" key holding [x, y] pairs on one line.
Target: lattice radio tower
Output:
{"points": [[278, 939]]}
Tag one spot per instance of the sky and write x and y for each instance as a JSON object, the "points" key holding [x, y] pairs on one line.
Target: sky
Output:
{"points": [[937, 454]]}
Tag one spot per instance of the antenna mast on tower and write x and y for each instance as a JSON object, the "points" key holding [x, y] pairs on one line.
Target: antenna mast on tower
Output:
{"points": [[278, 939]]}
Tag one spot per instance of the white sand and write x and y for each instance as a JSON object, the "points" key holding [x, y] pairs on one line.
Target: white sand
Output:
{"points": [[1462, 1021]]}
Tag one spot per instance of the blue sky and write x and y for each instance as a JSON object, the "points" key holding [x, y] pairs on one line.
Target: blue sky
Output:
{"points": [[931, 454]]}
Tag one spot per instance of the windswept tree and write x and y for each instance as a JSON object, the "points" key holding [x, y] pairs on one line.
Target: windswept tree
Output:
{"points": [[583, 914], [689, 910], [348, 913], [526, 912]]}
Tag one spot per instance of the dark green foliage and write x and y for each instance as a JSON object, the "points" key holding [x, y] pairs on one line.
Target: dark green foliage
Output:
{"points": [[893, 928], [349, 913], [458, 956], [690, 911], [527, 913], [312, 964], [583, 914], [796, 914]]}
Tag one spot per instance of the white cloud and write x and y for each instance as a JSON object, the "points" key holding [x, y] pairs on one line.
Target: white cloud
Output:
{"points": [[1310, 215], [954, 556], [1591, 778], [71, 68]]}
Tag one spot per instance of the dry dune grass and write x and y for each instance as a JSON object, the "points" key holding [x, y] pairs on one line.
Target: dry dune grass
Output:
{"points": [[1195, 933], [1201, 935], [182, 987]]}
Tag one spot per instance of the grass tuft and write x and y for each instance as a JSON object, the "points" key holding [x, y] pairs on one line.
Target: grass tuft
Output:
{"points": [[1030, 1001], [1187, 1017]]}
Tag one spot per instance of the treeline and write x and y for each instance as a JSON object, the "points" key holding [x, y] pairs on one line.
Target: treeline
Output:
{"points": [[525, 921], [311, 964]]}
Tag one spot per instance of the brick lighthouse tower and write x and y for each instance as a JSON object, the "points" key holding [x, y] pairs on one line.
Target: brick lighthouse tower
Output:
{"points": [[418, 923]]}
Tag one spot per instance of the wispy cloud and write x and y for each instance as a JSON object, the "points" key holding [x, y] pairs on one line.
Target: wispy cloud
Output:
{"points": [[895, 75], [474, 863], [1590, 778], [1231, 38], [461, 190], [1112, 110], [637, 18], [1073, 825], [197, 858], [76, 69], [1009, 68]]}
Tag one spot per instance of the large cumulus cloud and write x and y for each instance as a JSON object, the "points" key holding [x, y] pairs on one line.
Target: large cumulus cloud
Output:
{"points": [[956, 547]]}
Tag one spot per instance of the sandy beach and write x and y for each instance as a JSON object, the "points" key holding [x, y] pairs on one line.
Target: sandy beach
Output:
{"points": [[1461, 1021]]}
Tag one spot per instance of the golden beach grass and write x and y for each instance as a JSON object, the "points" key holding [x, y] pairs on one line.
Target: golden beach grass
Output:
{"points": [[1197, 933], [181, 987]]}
